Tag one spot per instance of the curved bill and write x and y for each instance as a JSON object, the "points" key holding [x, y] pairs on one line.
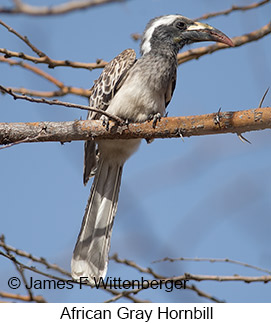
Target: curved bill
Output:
{"points": [[203, 32]]}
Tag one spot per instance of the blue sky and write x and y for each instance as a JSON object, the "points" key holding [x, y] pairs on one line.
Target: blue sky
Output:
{"points": [[208, 196]]}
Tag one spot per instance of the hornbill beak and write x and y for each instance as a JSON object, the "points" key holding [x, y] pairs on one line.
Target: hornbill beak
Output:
{"points": [[203, 32]]}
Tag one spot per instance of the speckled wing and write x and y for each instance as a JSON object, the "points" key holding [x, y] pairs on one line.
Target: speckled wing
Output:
{"points": [[102, 92], [170, 89]]}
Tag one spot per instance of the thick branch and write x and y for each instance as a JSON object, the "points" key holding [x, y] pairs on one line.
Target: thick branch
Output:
{"points": [[222, 122], [22, 8]]}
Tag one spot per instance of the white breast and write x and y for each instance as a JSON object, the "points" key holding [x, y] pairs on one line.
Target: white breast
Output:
{"points": [[136, 100]]}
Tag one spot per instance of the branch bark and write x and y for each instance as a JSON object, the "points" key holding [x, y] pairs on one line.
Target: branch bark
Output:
{"points": [[23, 8], [215, 123]]}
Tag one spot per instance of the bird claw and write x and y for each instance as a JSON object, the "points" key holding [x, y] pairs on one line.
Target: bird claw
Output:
{"points": [[180, 134], [155, 117], [218, 117], [105, 122], [242, 138]]}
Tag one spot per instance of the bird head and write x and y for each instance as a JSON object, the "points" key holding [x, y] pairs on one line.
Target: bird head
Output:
{"points": [[177, 31]]}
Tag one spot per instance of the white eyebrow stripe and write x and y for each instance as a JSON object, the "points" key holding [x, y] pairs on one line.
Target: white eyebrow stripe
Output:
{"points": [[199, 26], [166, 20]]}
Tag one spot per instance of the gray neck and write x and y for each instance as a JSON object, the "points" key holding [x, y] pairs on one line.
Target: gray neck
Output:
{"points": [[164, 48]]}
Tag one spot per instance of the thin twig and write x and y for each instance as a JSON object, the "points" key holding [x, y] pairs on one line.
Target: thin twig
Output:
{"points": [[125, 294], [262, 99], [33, 69], [27, 255], [233, 8], [19, 268], [52, 63], [32, 268], [25, 298], [23, 38], [245, 279], [214, 260], [132, 264], [51, 94], [22, 8], [203, 294], [63, 89], [60, 103]]}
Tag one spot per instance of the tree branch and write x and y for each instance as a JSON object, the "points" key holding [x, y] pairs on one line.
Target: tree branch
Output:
{"points": [[203, 294], [52, 63], [232, 9], [174, 127], [23, 38], [132, 264], [245, 279], [43, 58], [29, 256], [25, 298], [63, 89], [23, 8], [59, 103], [50, 94], [214, 260]]}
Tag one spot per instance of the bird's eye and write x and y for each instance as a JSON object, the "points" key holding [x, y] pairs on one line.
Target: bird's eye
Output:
{"points": [[181, 25]]}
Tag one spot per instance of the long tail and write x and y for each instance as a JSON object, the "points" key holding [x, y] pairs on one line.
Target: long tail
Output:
{"points": [[90, 255]]}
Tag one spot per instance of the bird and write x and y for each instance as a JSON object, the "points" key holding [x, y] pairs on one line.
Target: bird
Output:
{"points": [[136, 90]]}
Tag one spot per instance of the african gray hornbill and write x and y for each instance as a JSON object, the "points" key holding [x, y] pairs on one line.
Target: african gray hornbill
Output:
{"points": [[135, 90]]}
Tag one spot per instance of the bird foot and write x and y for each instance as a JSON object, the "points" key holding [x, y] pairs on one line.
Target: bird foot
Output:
{"points": [[155, 118], [105, 122]]}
